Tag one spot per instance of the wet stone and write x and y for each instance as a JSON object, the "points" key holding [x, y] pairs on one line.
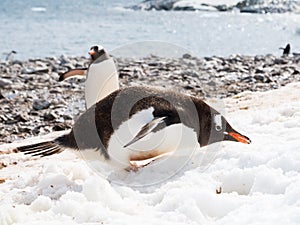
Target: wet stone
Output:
{"points": [[40, 104]]}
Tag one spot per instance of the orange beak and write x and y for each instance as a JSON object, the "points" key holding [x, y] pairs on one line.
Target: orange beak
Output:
{"points": [[92, 52], [240, 138]]}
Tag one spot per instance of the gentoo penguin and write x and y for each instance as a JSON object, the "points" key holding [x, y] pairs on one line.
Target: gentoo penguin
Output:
{"points": [[102, 76], [139, 123], [286, 50]]}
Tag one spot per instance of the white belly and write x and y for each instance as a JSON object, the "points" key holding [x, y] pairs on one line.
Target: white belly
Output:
{"points": [[176, 139], [102, 80]]}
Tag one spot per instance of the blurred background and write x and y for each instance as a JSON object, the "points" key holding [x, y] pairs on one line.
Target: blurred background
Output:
{"points": [[36, 28]]}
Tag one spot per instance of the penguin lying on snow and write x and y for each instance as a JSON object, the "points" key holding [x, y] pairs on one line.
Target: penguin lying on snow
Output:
{"points": [[139, 123]]}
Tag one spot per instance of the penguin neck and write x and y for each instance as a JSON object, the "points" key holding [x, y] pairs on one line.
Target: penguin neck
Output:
{"points": [[100, 57], [204, 114]]}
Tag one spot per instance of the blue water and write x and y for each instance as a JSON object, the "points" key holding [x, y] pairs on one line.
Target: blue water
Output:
{"points": [[36, 28]]}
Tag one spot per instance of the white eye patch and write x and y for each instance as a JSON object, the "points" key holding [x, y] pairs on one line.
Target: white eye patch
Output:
{"points": [[218, 122]]}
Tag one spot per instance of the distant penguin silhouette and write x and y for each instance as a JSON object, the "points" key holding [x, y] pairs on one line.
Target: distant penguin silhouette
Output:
{"points": [[9, 55], [286, 50]]}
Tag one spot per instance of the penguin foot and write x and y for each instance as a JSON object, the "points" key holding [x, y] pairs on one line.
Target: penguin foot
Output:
{"points": [[133, 167]]}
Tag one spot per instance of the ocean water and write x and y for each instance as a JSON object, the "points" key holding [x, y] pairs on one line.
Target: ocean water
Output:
{"points": [[36, 28]]}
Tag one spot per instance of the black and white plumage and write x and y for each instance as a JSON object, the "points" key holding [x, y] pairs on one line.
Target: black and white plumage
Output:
{"points": [[138, 123], [96, 52], [101, 75]]}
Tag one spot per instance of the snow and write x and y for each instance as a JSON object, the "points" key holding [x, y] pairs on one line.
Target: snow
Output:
{"points": [[259, 183]]}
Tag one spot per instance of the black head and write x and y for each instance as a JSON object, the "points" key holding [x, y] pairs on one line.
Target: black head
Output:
{"points": [[96, 51], [220, 130]]}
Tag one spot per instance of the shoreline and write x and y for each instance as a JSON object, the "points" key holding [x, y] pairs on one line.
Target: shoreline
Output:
{"points": [[29, 109]]}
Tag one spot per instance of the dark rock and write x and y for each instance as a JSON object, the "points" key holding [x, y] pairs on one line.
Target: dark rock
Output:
{"points": [[50, 116], [155, 5], [21, 118], [211, 83], [259, 70], [296, 72], [60, 127], [188, 87], [267, 6], [268, 79], [40, 104], [1, 96], [281, 61], [186, 56], [260, 78], [67, 117]]}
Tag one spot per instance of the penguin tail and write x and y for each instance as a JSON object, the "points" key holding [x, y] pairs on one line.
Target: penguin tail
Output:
{"points": [[41, 149], [47, 148]]}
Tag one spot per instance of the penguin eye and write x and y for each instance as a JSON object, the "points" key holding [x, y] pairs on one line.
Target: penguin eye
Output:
{"points": [[218, 128], [218, 122]]}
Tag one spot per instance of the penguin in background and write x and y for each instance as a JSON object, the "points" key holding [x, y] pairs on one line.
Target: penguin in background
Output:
{"points": [[9, 56], [286, 50], [101, 76]]}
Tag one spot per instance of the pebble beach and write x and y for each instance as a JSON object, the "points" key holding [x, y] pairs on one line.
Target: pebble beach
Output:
{"points": [[33, 102]]}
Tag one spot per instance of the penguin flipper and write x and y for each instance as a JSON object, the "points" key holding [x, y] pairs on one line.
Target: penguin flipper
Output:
{"points": [[146, 129], [72, 73]]}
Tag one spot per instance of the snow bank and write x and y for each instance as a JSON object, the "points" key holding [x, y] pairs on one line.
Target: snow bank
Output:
{"points": [[259, 183]]}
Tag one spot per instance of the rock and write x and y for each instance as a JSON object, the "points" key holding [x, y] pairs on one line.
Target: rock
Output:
{"points": [[21, 118], [186, 56], [245, 6], [154, 5], [40, 104], [268, 6], [60, 127], [258, 70], [260, 78], [211, 83], [281, 61], [1, 96], [50, 116], [64, 59], [37, 70], [5, 82], [67, 117]]}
